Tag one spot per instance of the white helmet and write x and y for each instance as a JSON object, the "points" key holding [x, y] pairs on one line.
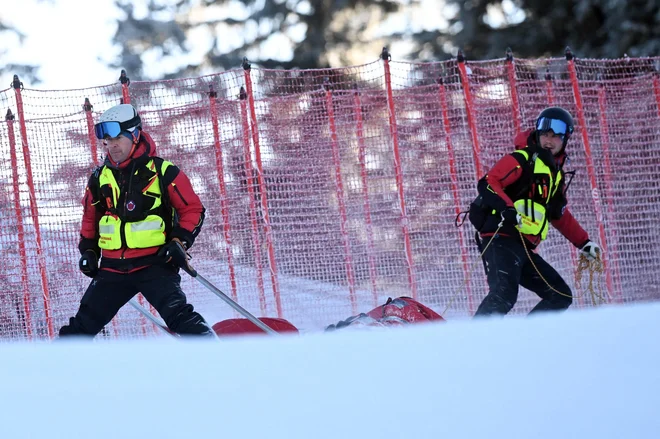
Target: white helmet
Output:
{"points": [[125, 116]]}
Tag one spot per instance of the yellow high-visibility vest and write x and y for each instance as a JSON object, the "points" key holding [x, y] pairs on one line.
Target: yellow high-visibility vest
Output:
{"points": [[115, 232], [533, 209]]}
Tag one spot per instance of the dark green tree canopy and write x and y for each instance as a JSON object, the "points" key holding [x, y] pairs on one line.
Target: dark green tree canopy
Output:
{"points": [[536, 28], [321, 33], [331, 33], [313, 29]]}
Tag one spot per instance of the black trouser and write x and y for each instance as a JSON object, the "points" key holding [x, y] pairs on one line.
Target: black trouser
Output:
{"points": [[159, 284], [508, 266]]}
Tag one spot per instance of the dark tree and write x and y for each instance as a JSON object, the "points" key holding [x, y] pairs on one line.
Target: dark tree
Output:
{"points": [[327, 33], [314, 30], [538, 28]]}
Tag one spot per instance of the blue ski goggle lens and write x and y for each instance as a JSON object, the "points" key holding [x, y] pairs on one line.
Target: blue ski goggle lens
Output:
{"points": [[107, 129], [557, 126]]}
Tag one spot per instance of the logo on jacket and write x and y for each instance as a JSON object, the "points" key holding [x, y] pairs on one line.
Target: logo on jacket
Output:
{"points": [[130, 206]]}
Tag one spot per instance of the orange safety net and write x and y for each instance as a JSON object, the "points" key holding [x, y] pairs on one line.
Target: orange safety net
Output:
{"points": [[328, 191]]}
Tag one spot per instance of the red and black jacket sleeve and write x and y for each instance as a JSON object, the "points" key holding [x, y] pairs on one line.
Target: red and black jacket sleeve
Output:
{"points": [[93, 210], [186, 203], [571, 229], [503, 174]]}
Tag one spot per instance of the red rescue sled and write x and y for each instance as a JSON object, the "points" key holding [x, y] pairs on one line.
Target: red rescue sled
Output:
{"points": [[244, 326]]}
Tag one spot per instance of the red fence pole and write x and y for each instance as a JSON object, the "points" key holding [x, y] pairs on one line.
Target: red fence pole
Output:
{"points": [[469, 107], [656, 91], [339, 187], [453, 173], [19, 227], [223, 190], [605, 133], [125, 82], [515, 104], [359, 132], [595, 195], [247, 158], [33, 205], [405, 224], [549, 88], [472, 124], [87, 106], [262, 188]]}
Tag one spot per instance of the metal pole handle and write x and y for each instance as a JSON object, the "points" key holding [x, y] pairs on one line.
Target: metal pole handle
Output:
{"points": [[261, 325], [155, 320]]}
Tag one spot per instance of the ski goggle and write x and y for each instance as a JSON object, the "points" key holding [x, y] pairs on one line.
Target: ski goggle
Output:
{"points": [[557, 126], [114, 129], [107, 129]]}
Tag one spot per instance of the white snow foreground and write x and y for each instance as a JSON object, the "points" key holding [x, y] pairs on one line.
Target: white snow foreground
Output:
{"points": [[581, 374]]}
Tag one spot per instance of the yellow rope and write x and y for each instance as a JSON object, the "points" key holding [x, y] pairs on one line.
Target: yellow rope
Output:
{"points": [[594, 266]]}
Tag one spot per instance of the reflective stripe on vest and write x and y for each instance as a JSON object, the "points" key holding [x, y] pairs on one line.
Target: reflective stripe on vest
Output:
{"points": [[538, 223], [149, 232], [110, 232]]}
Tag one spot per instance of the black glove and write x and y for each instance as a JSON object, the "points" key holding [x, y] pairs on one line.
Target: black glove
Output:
{"points": [[89, 263], [510, 217], [175, 253]]}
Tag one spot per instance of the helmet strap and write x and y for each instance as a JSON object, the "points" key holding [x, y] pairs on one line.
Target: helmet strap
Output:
{"points": [[136, 137], [136, 140]]}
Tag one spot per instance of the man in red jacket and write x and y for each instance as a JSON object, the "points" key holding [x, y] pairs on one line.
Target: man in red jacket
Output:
{"points": [[140, 217], [519, 196]]}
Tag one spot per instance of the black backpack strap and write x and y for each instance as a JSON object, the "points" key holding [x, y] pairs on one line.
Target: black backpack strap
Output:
{"points": [[567, 180], [158, 164], [524, 183], [165, 198], [94, 183], [458, 222], [526, 164]]}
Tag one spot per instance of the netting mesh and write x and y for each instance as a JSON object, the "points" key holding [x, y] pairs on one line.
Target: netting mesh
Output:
{"points": [[329, 190]]}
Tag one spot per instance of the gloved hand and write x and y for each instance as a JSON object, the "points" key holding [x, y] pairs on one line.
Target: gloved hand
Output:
{"points": [[591, 250], [89, 263], [175, 253], [510, 217]]}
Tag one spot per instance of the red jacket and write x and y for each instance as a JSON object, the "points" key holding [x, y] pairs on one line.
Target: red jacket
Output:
{"points": [[507, 171], [181, 197]]}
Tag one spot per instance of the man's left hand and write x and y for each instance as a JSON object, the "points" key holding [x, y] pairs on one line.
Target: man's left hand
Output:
{"points": [[175, 253], [591, 250]]}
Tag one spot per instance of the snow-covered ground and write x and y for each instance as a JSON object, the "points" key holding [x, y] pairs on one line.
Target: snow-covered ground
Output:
{"points": [[581, 374]]}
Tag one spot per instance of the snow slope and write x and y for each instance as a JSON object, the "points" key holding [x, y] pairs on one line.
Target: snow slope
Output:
{"points": [[581, 374]]}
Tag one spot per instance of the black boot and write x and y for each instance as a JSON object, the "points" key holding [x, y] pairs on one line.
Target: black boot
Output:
{"points": [[493, 304]]}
